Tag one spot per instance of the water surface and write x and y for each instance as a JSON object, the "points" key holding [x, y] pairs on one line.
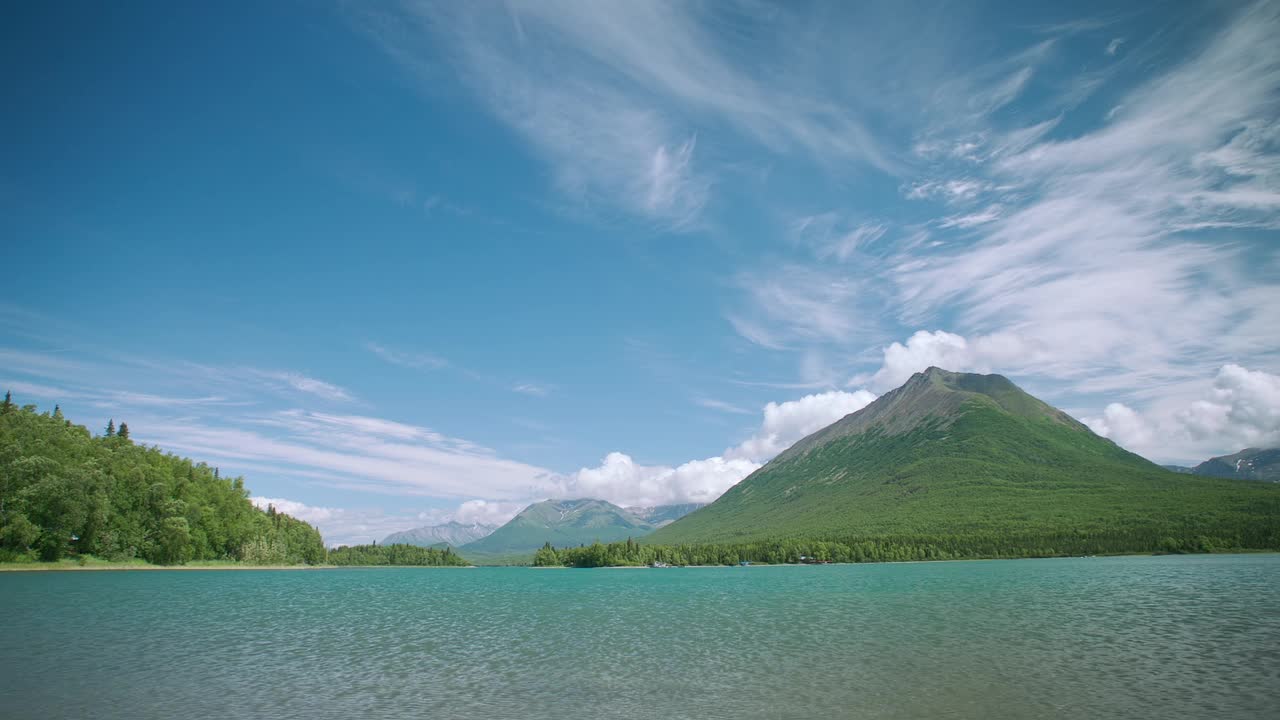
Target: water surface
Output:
{"points": [[1166, 637]]}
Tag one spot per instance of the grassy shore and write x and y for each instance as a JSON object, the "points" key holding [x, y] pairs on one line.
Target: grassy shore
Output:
{"points": [[93, 563], [100, 564]]}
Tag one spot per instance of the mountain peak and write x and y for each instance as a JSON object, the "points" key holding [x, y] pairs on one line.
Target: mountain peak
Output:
{"points": [[451, 533], [938, 394], [562, 522]]}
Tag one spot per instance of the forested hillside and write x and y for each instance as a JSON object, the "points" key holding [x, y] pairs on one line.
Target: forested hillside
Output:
{"points": [[65, 492], [962, 465]]}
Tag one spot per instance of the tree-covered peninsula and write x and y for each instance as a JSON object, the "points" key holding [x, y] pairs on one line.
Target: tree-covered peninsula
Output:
{"points": [[401, 554], [67, 493]]}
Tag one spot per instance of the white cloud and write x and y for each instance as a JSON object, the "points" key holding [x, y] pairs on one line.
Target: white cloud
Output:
{"points": [[370, 453], [1114, 45], [951, 191], [722, 406], [1124, 425], [614, 94], [787, 422], [1108, 256], [621, 480], [533, 389], [990, 214], [301, 383], [485, 512], [997, 352], [796, 304], [1240, 409], [832, 238], [416, 361], [1005, 92]]}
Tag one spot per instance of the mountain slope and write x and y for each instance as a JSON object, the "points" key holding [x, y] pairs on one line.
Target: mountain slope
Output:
{"points": [[953, 454], [663, 515], [1248, 464], [450, 533], [562, 523]]}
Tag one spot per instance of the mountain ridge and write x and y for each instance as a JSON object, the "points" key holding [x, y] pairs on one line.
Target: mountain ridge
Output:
{"points": [[1248, 464], [450, 533], [560, 522], [956, 454]]}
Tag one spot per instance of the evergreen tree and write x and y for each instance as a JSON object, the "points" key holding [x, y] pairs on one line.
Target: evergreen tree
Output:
{"points": [[123, 432], [111, 427], [57, 412], [8, 402]]}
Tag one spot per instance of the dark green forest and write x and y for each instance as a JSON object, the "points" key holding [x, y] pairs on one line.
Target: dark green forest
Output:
{"points": [[66, 493], [1148, 538], [398, 554]]}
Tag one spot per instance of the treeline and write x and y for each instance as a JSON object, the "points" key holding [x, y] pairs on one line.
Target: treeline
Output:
{"points": [[1150, 539], [64, 492], [397, 554]]}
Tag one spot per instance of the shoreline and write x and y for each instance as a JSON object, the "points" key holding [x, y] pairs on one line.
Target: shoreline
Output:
{"points": [[107, 567]]}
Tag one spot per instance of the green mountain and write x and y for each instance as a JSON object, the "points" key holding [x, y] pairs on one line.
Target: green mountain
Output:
{"points": [[451, 533], [1248, 464], [956, 460], [562, 523]]}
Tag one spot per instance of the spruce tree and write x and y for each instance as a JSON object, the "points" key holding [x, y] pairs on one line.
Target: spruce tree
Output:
{"points": [[124, 431], [111, 427], [8, 402], [57, 412]]}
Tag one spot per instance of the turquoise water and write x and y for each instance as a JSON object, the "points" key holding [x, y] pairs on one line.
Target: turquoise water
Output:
{"points": [[1167, 637]]}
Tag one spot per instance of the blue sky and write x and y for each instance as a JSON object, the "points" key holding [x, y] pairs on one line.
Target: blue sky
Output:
{"points": [[409, 262]]}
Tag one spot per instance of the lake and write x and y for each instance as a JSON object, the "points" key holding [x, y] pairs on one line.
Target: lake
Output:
{"points": [[1151, 637]]}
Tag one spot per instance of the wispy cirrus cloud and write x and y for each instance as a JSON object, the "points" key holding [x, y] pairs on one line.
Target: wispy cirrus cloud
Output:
{"points": [[1094, 264], [301, 383], [534, 389], [721, 405], [412, 360], [615, 95]]}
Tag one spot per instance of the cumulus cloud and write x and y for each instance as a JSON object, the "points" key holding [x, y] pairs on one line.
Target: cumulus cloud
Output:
{"points": [[484, 512], [1124, 425], [997, 352], [1240, 409], [622, 481], [787, 422]]}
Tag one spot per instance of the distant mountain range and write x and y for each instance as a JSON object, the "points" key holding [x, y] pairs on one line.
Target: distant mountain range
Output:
{"points": [[973, 456], [662, 515], [573, 522], [1248, 464], [450, 533]]}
